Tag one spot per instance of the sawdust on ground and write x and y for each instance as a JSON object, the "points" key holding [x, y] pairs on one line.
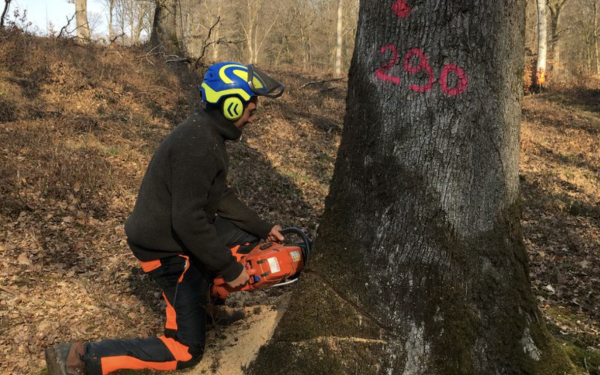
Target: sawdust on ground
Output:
{"points": [[231, 349]]}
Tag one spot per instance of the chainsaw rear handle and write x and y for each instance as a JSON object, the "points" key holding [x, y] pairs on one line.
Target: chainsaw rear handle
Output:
{"points": [[307, 243], [219, 280]]}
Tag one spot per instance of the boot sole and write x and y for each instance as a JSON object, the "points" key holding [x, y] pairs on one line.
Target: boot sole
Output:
{"points": [[56, 366]]}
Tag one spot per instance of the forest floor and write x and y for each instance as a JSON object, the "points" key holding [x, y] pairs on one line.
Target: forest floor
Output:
{"points": [[78, 125]]}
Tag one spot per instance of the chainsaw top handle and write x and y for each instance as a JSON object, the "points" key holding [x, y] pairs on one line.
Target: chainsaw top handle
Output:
{"points": [[306, 249]]}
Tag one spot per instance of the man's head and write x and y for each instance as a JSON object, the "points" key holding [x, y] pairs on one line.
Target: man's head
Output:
{"points": [[234, 88]]}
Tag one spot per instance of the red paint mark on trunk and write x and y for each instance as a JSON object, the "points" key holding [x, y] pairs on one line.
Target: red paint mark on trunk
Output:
{"points": [[381, 72], [462, 80], [423, 65], [401, 8]]}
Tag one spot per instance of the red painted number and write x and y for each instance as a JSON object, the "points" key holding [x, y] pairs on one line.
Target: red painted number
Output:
{"points": [[423, 65], [381, 72], [462, 80]]}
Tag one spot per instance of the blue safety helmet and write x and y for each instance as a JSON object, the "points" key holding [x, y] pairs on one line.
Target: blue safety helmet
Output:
{"points": [[229, 79]]}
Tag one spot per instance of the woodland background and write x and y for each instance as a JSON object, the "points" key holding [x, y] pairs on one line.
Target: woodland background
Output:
{"points": [[81, 114], [314, 35]]}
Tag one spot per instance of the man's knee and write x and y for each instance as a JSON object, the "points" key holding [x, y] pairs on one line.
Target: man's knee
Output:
{"points": [[197, 352], [186, 356]]}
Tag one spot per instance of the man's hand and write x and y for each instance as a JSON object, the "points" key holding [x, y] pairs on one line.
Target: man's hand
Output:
{"points": [[240, 280], [275, 234]]}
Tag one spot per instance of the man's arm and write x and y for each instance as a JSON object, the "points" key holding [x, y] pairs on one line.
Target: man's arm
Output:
{"points": [[192, 174], [231, 208]]}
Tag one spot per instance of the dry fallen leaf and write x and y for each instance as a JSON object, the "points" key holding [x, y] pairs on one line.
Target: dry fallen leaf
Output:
{"points": [[24, 259]]}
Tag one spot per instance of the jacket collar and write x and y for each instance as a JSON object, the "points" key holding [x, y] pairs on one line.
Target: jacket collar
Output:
{"points": [[224, 127]]}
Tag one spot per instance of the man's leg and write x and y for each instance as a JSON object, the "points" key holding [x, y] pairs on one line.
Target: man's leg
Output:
{"points": [[185, 288]]}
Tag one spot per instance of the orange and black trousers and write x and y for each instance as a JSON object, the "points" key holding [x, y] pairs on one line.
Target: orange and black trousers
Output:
{"points": [[185, 284]]}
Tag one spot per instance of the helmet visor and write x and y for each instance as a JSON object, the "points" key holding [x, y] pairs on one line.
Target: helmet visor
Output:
{"points": [[263, 84]]}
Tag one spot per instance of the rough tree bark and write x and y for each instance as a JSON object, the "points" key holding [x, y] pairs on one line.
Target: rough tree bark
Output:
{"points": [[164, 28], [83, 27], [419, 265], [542, 43], [338, 44]]}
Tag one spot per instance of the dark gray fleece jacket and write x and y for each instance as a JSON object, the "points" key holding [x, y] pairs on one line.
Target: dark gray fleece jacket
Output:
{"points": [[183, 190]]}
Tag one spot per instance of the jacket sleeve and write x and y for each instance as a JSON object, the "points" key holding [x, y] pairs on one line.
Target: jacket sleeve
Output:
{"points": [[231, 208], [192, 174]]}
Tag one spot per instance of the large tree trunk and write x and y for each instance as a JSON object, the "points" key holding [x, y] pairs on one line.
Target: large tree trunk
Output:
{"points": [[164, 28], [419, 265], [542, 43], [338, 44], [83, 28]]}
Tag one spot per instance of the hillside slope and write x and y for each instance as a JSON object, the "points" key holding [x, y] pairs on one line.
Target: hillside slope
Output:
{"points": [[79, 124]]}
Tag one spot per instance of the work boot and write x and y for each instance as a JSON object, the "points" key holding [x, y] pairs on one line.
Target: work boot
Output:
{"points": [[223, 316], [65, 359]]}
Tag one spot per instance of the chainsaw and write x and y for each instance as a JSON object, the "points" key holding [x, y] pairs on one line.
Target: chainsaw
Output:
{"points": [[269, 264]]}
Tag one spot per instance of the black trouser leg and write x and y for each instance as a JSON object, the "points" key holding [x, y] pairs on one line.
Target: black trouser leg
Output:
{"points": [[185, 287]]}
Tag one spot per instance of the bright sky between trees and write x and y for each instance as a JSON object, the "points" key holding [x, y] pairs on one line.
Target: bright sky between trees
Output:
{"points": [[47, 15]]}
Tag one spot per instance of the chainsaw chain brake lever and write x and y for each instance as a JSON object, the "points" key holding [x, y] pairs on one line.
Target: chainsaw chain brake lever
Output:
{"points": [[307, 243]]}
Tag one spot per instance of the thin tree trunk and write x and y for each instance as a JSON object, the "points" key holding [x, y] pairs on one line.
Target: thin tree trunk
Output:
{"points": [[249, 31], [542, 43], [83, 28], [111, 9], [556, 8], [596, 47], [132, 24], [338, 45], [217, 31], [419, 265]]}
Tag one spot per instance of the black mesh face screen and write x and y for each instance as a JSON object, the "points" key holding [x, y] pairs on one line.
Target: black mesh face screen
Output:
{"points": [[263, 84]]}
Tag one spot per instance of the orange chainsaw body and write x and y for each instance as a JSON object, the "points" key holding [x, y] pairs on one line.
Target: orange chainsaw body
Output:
{"points": [[267, 264]]}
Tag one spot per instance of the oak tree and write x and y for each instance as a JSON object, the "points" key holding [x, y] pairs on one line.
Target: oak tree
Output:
{"points": [[419, 265]]}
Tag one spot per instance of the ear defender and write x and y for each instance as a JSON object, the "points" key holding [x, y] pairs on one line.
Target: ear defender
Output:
{"points": [[233, 108]]}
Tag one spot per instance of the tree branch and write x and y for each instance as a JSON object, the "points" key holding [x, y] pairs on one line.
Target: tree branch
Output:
{"points": [[317, 82], [64, 28], [206, 44]]}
